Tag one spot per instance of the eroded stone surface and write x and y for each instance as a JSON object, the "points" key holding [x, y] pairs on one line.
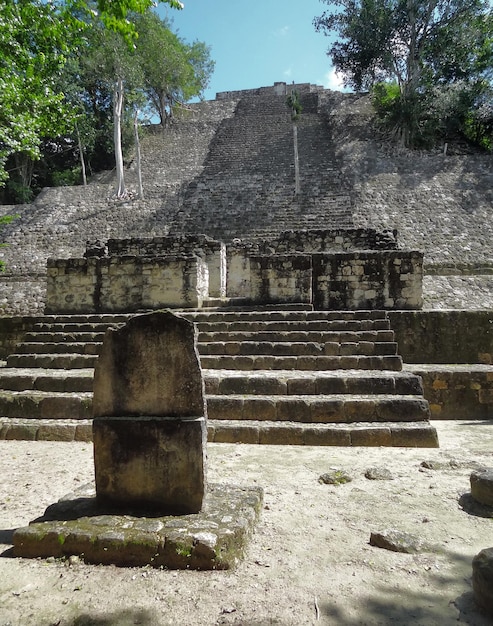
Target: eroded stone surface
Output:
{"points": [[482, 579], [482, 486], [156, 462], [396, 541], [150, 428], [378, 473], [150, 366], [79, 525], [335, 477]]}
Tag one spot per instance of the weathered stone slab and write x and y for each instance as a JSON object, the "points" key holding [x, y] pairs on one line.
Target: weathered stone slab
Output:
{"points": [[482, 579], [149, 367], [482, 486], [80, 525], [150, 429], [397, 541], [155, 462]]}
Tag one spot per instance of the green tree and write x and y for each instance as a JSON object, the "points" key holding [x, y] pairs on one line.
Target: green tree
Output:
{"points": [[37, 37], [420, 45], [34, 44], [173, 70]]}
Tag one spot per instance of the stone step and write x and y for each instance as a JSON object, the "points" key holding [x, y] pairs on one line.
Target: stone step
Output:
{"points": [[403, 434], [61, 337], [295, 312], [45, 405], [49, 380], [282, 315], [52, 361], [278, 348], [223, 382], [293, 325], [331, 408], [295, 348], [210, 337], [335, 408], [239, 362], [287, 383], [304, 363], [63, 347], [238, 325], [298, 335], [409, 434]]}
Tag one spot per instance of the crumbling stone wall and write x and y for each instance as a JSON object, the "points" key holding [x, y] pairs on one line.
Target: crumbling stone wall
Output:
{"points": [[125, 283]]}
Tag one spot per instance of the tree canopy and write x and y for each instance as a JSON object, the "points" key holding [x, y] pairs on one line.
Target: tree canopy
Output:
{"points": [[425, 47], [59, 60]]}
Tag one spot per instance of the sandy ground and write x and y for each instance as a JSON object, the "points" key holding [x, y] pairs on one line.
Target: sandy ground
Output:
{"points": [[309, 561]]}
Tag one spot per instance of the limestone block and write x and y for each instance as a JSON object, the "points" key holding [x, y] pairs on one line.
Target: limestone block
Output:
{"points": [[482, 486], [482, 579], [149, 367], [151, 462]]}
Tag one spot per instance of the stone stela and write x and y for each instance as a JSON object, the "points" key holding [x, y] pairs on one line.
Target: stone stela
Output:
{"points": [[149, 408]]}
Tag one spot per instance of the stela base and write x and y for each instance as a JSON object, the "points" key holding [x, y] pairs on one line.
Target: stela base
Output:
{"points": [[156, 463], [79, 524]]}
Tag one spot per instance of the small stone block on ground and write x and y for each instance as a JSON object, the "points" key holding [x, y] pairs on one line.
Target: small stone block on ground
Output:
{"points": [[80, 525], [482, 580], [482, 486]]}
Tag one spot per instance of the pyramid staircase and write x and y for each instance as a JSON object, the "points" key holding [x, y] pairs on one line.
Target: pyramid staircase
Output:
{"points": [[271, 377]]}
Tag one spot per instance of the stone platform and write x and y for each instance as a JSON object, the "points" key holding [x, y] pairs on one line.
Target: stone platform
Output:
{"points": [[215, 538]]}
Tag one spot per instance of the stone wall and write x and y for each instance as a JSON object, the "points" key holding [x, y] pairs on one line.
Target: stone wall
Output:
{"points": [[125, 283], [458, 393], [368, 280], [444, 336], [225, 169]]}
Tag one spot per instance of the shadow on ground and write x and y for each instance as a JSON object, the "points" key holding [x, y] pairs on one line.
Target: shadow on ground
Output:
{"points": [[127, 617], [398, 605]]}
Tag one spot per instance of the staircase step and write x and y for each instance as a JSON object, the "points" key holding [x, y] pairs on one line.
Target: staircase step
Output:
{"points": [[61, 337], [296, 335], [324, 409], [279, 382], [223, 382], [66, 347], [315, 363], [314, 408], [283, 315], [296, 348], [50, 380], [52, 361], [44, 405], [410, 434], [289, 326]]}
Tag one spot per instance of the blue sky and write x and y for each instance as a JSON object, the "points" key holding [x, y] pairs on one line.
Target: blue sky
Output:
{"points": [[256, 44]]}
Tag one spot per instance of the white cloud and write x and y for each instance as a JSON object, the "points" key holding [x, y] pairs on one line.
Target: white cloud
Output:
{"points": [[287, 72], [333, 80]]}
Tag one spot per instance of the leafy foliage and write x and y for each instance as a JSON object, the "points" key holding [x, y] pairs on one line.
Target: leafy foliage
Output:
{"points": [[34, 43], [173, 71], [293, 103], [438, 52], [59, 60]]}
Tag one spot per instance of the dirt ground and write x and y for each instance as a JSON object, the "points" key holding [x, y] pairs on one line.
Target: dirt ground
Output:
{"points": [[309, 560]]}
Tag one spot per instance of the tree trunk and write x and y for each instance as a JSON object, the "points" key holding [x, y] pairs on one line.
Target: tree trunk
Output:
{"points": [[137, 156], [297, 186], [81, 156], [120, 191]]}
